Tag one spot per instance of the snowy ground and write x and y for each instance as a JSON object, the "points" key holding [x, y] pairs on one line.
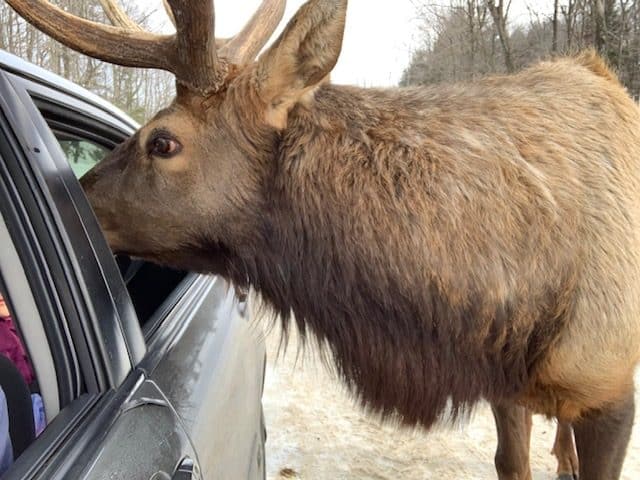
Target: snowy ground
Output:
{"points": [[316, 433]]}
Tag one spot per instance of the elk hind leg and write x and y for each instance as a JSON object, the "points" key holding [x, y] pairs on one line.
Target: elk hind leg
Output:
{"points": [[513, 425], [564, 449]]}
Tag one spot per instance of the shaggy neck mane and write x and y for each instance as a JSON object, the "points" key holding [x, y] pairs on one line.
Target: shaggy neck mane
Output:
{"points": [[342, 251]]}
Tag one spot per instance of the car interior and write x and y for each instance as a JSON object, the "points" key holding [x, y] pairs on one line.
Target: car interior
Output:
{"points": [[23, 396], [18, 403]]}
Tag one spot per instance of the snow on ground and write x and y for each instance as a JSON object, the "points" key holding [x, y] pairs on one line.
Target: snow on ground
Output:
{"points": [[315, 432]]}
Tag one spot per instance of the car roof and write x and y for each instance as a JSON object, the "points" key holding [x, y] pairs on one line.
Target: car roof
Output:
{"points": [[18, 66]]}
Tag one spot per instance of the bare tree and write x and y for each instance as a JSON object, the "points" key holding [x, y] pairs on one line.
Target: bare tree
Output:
{"points": [[569, 12], [554, 41], [499, 13], [138, 92], [461, 41]]}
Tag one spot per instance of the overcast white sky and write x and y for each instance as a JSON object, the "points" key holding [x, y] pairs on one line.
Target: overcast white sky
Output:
{"points": [[379, 37]]}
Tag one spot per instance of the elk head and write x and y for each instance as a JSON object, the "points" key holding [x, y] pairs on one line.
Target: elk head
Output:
{"points": [[194, 172]]}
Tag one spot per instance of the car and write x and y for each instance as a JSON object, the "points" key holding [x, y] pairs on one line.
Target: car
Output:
{"points": [[145, 372]]}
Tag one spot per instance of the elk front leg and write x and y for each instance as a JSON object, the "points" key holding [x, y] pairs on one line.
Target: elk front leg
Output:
{"points": [[513, 424], [564, 448], [602, 438]]}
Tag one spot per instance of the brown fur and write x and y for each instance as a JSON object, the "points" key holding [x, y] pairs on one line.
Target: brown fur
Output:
{"points": [[513, 426], [445, 234]]}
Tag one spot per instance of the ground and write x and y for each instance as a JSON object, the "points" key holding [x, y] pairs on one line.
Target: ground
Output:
{"points": [[315, 432]]}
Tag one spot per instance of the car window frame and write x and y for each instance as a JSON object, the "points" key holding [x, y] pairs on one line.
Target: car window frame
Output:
{"points": [[24, 220], [61, 117], [69, 113], [89, 266]]}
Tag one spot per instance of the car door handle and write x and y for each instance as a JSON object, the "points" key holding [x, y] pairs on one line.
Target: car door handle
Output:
{"points": [[187, 470]]}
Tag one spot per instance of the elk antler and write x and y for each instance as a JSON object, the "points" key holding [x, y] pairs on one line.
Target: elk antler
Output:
{"points": [[219, 41], [167, 9], [246, 45], [118, 16], [190, 54], [196, 44]]}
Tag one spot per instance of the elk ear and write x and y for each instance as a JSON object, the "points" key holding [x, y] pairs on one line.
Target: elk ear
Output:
{"points": [[301, 57]]}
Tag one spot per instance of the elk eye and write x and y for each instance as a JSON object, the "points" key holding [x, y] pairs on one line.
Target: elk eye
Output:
{"points": [[164, 146]]}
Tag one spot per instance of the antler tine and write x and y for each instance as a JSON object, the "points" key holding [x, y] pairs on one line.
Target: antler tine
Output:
{"points": [[246, 45], [111, 44], [118, 16], [198, 66], [190, 54], [167, 9], [220, 42]]}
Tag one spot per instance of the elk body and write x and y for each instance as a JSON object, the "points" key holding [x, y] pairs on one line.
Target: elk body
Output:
{"points": [[446, 244]]}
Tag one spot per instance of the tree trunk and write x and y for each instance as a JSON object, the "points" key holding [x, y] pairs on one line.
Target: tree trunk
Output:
{"points": [[554, 40], [499, 16], [600, 28]]}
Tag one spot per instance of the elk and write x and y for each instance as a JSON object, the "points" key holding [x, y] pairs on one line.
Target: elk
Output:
{"points": [[445, 244]]}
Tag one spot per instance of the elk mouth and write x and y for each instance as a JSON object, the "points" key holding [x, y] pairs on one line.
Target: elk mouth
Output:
{"points": [[194, 258], [118, 245]]}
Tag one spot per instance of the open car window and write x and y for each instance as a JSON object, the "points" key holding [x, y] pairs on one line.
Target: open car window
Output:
{"points": [[152, 288]]}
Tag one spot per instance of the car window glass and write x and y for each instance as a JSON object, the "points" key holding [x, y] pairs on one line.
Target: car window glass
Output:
{"points": [[81, 153]]}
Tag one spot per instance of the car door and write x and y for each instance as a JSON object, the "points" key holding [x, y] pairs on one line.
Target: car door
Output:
{"points": [[113, 422], [212, 370], [197, 376]]}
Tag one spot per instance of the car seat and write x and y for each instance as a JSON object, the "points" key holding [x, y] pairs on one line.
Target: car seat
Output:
{"points": [[21, 423]]}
